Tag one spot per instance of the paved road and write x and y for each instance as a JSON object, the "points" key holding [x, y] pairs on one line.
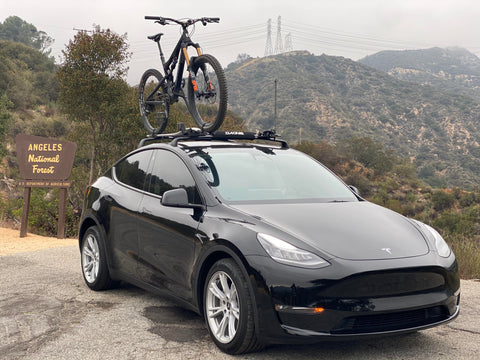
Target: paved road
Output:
{"points": [[46, 312]]}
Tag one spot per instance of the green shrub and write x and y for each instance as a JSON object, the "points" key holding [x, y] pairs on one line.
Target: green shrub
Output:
{"points": [[442, 200]]}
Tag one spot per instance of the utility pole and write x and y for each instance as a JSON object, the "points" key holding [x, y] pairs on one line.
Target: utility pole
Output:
{"points": [[268, 46], [275, 108], [288, 43], [279, 42]]}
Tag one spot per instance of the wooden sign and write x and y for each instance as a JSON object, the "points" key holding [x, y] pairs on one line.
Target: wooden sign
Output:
{"points": [[42, 158], [44, 162]]}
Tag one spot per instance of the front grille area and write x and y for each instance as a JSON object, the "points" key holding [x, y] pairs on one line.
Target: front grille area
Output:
{"points": [[391, 322], [387, 284]]}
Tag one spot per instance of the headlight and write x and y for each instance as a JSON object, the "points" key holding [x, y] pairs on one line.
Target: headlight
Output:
{"points": [[286, 253], [440, 245]]}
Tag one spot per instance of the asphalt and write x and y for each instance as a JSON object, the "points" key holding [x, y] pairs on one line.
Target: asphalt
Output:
{"points": [[47, 312]]}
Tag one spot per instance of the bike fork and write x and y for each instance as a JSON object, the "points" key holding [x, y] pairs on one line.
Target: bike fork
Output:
{"points": [[191, 75]]}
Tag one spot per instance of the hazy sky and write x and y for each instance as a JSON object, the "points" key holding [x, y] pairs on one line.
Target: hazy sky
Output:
{"points": [[349, 28]]}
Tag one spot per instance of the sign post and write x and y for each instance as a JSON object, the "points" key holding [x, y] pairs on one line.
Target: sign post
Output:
{"points": [[44, 162]]}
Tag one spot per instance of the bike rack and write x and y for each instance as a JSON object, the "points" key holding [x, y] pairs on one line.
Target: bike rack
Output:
{"points": [[196, 134]]}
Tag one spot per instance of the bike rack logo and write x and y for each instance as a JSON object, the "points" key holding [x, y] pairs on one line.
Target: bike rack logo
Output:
{"points": [[230, 133]]}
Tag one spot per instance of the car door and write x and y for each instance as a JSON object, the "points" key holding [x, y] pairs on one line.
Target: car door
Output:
{"points": [[124, 201], [167, 234]]}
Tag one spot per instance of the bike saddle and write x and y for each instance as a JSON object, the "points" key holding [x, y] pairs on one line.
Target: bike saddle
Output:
{"points": [[155, 37]]}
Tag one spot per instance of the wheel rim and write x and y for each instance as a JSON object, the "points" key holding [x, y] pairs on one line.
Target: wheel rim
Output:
{"points": [[90, 258], [154, 104], [222, 307]]}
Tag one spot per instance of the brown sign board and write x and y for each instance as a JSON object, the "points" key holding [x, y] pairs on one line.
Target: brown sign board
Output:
{"points": [[42, 158], [44, 162]]}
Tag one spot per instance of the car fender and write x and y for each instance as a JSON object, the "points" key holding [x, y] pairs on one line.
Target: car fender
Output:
{"points": [[88, 220], [215, 251]]}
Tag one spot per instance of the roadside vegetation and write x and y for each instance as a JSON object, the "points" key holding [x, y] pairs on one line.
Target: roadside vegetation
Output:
{"points": [[90, 103]]}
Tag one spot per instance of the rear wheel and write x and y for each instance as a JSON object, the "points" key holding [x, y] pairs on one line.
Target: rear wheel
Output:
{"points": [[228, 309], [154, 102], [208, 103], [94, 262]]}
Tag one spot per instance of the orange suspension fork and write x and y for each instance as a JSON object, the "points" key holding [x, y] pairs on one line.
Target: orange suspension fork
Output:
{"points": [[187, 60]]}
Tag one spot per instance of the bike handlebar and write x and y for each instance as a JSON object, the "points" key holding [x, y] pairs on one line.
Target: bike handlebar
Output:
{"points": [[184, 23]]}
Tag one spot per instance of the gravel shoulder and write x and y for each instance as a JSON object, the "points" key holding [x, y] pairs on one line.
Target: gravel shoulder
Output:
{"points": [[12, 243], [47, 312]]}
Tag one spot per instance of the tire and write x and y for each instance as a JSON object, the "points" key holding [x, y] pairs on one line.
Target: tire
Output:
{"points": [[154, 102], [94, 262], [228, 309], [208, 106]]}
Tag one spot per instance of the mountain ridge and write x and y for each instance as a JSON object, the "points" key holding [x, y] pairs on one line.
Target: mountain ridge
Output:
{"points": [[334, 98], [452, 69]]}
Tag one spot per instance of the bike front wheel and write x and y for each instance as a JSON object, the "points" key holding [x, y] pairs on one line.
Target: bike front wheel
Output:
{"points": [[207, 101], [154, 102]]}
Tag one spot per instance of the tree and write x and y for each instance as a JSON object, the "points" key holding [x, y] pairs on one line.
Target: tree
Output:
{"points": [[92, 89], [18, 30], [26, 75], [5, 118]]}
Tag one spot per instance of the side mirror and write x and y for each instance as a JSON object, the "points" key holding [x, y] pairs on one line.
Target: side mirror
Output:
{"points": [[178, 198], [355, 190]]}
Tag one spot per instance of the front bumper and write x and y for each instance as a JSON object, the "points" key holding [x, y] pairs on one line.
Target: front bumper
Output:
{"points": [[345, 305]]}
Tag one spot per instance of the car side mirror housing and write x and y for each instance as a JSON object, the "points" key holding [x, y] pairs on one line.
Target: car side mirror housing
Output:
{"points": [[178, 198], [355, 190]]}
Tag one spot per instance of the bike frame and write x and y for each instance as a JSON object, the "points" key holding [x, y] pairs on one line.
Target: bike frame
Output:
{"points": [[179, 53]]}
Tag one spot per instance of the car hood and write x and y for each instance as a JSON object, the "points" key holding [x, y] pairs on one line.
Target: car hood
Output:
{"points": [[348, 230]]}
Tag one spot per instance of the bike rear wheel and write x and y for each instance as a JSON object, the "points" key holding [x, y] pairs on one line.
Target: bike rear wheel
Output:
{"points": [[154, 102], [208, 104]]}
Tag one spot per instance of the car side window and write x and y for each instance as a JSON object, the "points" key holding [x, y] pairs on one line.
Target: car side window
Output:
{"points": [[170, 172], [133, 169]]}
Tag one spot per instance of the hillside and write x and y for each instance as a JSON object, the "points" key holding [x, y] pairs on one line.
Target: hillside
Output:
{"points": [[333, 98], [452, 69]]}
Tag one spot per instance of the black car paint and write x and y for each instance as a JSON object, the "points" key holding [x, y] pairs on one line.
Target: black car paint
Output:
{"points": [[192, 240]]}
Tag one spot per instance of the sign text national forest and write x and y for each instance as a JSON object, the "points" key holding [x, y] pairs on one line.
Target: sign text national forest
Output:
{"points": [[44, 162]]}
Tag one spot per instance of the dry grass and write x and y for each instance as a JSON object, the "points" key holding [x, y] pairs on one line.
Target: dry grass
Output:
{"points": [[467, 251]]}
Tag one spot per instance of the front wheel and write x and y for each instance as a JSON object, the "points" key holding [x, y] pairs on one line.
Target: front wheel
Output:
{"points": [[228, 309], [154, 102], [94, 261], [208, 96]]}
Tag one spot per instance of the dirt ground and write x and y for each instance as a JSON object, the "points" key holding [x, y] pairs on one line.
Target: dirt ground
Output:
{"points": [[12, 243]]}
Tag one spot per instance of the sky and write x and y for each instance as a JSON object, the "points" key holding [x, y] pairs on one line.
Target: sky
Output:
{"points": [[348, 28]]}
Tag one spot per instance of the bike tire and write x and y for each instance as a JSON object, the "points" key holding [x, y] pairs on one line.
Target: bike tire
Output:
{"points": [[153, 101], [208, 106]]}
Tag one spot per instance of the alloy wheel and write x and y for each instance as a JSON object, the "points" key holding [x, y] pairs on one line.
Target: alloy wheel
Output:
{"points": [[222, 307], [90, 258]]}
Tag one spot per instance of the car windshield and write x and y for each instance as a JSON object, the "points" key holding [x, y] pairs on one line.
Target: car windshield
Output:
{"points": [[265, 174]]}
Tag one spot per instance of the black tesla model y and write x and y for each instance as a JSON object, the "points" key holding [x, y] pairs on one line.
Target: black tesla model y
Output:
{"points": [[264, 242]]}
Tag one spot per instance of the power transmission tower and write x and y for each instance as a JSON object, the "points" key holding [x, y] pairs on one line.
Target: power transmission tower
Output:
{"points": [[278, 43], [288, 42], [268, 46]]}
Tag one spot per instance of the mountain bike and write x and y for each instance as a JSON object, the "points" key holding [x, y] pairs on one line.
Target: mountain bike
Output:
{"points": [[205, 83]]}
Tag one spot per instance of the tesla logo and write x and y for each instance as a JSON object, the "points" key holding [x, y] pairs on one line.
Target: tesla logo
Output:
{"points": [[388, 250]]}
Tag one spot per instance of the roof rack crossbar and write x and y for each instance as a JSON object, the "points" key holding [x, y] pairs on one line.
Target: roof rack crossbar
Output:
{"points": [[197, 134]]}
